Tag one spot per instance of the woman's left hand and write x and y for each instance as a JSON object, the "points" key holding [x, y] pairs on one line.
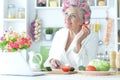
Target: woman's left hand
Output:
{"points": [[85, 31]]}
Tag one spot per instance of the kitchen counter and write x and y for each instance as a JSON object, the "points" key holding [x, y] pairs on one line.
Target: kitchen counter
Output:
{"points": [[62, 77]]}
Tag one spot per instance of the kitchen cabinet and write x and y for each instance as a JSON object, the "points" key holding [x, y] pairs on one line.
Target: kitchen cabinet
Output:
{"points": [[118, 24], [59, 3], [15, 15]]}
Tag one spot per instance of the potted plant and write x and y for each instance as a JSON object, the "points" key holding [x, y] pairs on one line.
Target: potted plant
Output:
{"points": [[48, 33]]}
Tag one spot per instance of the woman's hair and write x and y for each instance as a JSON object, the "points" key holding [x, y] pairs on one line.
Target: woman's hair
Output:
{"points": [[83, 7]]}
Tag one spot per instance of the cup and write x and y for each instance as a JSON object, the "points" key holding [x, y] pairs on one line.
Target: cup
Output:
{"points": [[35, 60]]}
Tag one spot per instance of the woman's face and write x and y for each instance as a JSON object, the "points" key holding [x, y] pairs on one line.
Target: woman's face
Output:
{"points": [[72, 18]]}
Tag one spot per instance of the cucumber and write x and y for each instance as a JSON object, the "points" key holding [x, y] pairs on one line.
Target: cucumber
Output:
{"points": [[72, 69], [81, 68], [48, 69]]}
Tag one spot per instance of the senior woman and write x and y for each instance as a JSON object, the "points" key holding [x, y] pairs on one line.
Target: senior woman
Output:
{"points": [[74, 44]]}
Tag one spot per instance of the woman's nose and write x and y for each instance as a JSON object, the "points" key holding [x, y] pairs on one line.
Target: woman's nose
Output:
{"points": [[68, 17]]}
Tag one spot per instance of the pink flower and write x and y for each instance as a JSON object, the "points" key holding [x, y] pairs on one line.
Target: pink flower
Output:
{"points": [[12, 41]]}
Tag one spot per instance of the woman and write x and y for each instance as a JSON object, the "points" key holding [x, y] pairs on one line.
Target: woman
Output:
{"points": [[73, 45]]}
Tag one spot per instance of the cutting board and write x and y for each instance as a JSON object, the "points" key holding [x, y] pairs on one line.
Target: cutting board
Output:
{"points": [[57, 71], [95, 73], [61, 72]]}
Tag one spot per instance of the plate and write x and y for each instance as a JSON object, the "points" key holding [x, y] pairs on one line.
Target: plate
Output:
{"points": [[95, 73]]}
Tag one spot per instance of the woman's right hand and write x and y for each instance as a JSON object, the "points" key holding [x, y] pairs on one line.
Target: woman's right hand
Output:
{"points": [[55, 63]]}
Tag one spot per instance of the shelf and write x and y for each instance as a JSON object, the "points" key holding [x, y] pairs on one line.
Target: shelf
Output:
{"points": [[118, 18], [16, 20], [17, 11], [118, 43], [48, 8], [98, 7], [92, 7]]}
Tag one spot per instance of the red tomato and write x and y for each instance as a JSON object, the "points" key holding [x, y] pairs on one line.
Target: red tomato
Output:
{"points": [[65, 68], [90, 68], [84, 26]]}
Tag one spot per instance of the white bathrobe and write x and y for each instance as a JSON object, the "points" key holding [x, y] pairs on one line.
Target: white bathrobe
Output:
{"points": [[87, 52]]}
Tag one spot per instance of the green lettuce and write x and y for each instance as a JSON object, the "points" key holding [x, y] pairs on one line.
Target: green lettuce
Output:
{"points": [[100, 65]]}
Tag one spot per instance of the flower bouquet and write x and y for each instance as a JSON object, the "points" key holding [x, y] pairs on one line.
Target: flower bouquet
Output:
{"points": [[13, 41]]}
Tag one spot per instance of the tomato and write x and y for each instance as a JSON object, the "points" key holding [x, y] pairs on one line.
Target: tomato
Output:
{"points": [[84, 26], [66, 68], [90, 68]]}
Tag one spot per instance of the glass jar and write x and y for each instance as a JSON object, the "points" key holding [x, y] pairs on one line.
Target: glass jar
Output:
{"points": [[102, 3], [21, 13], [11, 11]]}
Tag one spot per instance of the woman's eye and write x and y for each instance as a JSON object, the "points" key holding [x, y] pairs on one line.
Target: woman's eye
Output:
{"points": [[66, 14], [73, 16], [70, 15]]}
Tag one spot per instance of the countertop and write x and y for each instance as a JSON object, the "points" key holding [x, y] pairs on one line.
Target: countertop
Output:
{"points": [[62, 77]]}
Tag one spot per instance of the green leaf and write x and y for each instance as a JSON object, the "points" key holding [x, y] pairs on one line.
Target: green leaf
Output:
{"points": [[24, 47], [49, 30], [3, 45], [13, 49]]}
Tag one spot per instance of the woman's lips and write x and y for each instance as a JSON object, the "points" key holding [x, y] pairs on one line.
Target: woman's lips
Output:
{"points": [[68, 22]]}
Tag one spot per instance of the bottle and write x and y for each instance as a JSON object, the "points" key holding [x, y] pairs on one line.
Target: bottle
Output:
{"points": [[97, 27], [112, 56], [11, 11], [21, 13]]}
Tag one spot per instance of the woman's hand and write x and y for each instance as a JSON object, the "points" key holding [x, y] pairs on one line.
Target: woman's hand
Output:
{"points": [[85, 31], [55, 63]]}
